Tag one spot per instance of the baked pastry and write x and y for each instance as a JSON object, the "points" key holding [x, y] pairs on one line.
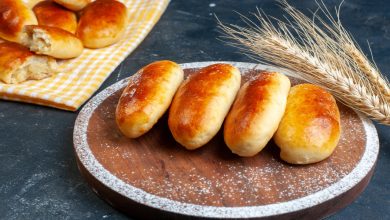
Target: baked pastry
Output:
{"points": [[51, 14], [310, 128], [102, 23], [18, 64], [52, 41], [202, 103], [256, 113], [147, 97], [74, 5], [14, 15], [31, 3]]}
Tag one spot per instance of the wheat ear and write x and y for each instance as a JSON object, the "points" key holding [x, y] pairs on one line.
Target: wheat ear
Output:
{"points": [[302, 47], [351, 48]]}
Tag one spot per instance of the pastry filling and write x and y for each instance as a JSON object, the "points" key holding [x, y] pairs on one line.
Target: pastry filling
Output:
{"points": [[37, 40], [34, 68], [40, 42]]}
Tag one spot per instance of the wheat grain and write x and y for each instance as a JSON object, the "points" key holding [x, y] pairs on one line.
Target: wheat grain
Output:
{"points": [[317, 56], [371, 72], [348, 45]]}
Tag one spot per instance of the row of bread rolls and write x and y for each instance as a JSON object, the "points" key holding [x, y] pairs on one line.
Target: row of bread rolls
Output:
{"points": [[304, 121], [52, 28]]}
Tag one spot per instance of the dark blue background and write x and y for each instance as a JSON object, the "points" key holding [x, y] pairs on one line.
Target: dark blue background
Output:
{"points": [[39, 178]]}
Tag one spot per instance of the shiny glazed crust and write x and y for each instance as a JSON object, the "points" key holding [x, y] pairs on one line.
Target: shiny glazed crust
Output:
{"points": [[51, 14], [201, 104], [102, 23], [147, 97], [256, 113], [14, 15], [310, 128], [11, 55]]}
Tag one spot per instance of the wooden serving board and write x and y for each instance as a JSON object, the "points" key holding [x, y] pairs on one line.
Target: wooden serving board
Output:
{"points": [[153, 176]]}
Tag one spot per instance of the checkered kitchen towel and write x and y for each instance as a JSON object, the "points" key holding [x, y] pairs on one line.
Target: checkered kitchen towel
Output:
{"points": [[81, 77]]}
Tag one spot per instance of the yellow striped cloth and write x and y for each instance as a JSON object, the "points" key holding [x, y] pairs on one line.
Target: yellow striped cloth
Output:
{"points": [[81, 77]]}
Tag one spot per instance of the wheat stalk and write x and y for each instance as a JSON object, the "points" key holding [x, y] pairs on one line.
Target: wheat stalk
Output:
{"points": [[317, 55], [351, 49]]}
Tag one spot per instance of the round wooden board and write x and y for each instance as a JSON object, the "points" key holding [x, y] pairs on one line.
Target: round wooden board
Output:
{"points": [[154, 175]]}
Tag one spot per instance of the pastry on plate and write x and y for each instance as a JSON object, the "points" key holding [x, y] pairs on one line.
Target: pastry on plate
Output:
{"points": [[202, 103], [310, 128], [147, 97], [256, 113]]}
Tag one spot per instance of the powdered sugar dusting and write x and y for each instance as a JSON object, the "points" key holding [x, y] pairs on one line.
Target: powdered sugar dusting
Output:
{"points": [[225, 186]]}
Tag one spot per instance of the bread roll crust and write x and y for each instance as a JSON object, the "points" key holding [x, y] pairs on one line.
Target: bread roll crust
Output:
{"points": [[310, 128], [74, 5], [52, 41], [256, 113], [201, 104], [14, 15], [147, 97], [51, 14], [102, 23], [12, 54], [18, 64]]}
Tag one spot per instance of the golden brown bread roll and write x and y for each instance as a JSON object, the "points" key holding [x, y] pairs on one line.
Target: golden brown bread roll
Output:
{"points": [[51, 14], [256, 113], [52, 41], [18, 64], [74, 5], [14, 15], [310, 128], [102, 23], [201, 104], [147, 97]]}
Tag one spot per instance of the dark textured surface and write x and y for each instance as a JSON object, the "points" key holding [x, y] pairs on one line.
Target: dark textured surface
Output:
{"points": [[39, 178]]}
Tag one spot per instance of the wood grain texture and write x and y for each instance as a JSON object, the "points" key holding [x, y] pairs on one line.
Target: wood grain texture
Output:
{"points": [[212, 175], [141, 211]]}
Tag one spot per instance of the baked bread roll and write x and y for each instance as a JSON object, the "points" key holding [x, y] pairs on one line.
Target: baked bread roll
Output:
{"points": [[147, 97], [102, 23], [256, 113], [14, 15], [52, 41], [51, 14], [18, 64], [310, 128], [201, 104], [74, 5], [31, 3]]}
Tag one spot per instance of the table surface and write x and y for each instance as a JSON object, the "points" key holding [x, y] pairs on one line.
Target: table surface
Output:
{"points": [[39, 178]]}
